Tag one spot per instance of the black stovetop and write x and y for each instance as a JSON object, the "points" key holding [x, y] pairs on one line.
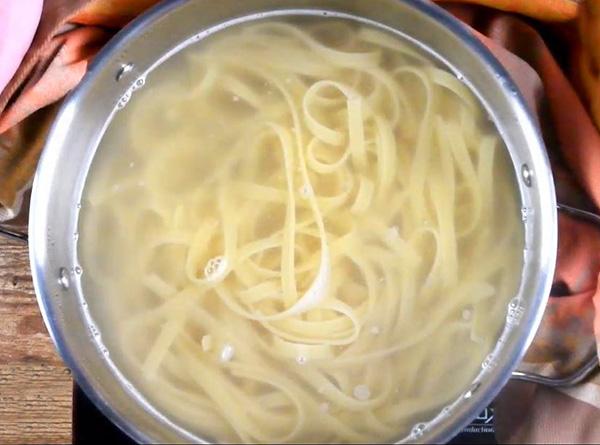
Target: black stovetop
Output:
{"points": [[90, 426]]}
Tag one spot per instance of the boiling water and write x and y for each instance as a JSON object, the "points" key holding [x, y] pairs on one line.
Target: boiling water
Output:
{"points": [[300, 232]]}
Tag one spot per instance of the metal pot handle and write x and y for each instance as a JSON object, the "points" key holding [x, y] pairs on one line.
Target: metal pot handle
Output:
{"points": [[13, 234], [572, 379], [592, 364]]}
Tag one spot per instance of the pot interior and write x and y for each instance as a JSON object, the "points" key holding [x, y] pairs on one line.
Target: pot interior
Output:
{"points": [[122, 69]]}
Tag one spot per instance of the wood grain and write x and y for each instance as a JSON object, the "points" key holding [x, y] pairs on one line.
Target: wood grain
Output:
{"points": [[35, 386]]}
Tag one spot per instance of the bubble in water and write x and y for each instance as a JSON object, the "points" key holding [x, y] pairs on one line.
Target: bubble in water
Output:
{"points": [[472, 390], [446, 410], [375, 330], [489, 362], [301, 360], [139, 83], [63, 278], [94, 330], [467, 314], [460, 76], [123, 70], [515, 303], [124, 100], [78, 270], [527, 175], [227, 353], [306, 191], [216, 268], [78, 205], [418, 430], [515, 313], [76, 236], [362, 392]]}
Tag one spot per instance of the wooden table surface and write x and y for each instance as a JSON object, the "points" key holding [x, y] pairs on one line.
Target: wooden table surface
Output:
{"points": [[35, 386]]}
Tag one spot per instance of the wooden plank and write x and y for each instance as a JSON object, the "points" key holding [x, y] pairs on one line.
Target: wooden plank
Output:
{"points": [[35, 387], [35, 404]]}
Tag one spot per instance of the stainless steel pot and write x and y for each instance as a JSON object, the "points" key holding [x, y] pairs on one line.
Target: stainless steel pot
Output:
{"points": [[151, 39]]}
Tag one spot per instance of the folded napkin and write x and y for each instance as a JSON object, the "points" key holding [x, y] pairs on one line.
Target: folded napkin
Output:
{"points": [[20, 21], [552, 50], [54, 64]]}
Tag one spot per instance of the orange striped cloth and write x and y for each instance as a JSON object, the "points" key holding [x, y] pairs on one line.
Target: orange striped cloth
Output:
{"points": [[552, 50], [69, 35], [568, 337]]}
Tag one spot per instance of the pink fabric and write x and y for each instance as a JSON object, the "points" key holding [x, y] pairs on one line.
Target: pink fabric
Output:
{"points": [[18, 22]]}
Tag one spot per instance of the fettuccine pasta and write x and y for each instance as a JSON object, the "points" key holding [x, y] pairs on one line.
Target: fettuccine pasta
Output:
{"points": [[301, 232]]}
